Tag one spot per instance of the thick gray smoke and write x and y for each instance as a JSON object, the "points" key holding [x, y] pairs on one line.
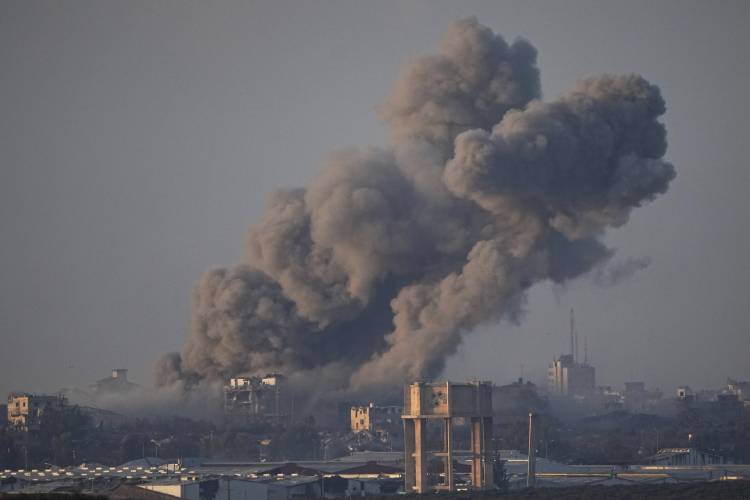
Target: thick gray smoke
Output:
{"points": [[370, 277]]}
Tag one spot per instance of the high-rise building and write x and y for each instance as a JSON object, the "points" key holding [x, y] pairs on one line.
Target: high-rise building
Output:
{"points": [[566, 376]]}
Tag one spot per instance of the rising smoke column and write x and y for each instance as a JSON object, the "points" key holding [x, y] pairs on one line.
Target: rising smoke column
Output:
{"points": [[370, 277]]}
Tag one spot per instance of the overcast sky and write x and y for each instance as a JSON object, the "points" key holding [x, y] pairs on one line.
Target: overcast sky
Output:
{"points": [[139, 142]]}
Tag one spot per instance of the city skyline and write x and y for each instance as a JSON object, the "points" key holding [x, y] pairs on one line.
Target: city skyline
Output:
{"points": [[135, 162]]}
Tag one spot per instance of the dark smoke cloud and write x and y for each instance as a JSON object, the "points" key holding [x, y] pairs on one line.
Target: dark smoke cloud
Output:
{"points": [[371, 276]]}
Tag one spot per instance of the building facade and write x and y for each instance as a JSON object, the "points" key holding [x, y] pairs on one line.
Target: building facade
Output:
{"points": [[566, 377], [371, 417], [116, 383], [687, 456], [26, 411], [258, 398], [741, 389]]}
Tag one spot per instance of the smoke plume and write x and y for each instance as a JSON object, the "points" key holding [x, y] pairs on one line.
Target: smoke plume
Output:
{"points": [[371, 276], [616, 273]]}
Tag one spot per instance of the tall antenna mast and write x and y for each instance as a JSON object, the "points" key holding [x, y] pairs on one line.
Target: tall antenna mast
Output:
{"points": [[577, 351], [572, 335], [586, 350]]}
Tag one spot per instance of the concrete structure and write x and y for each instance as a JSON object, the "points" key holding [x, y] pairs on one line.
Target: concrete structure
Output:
{"points": [[258, 398], [512, 403], [212, 489], [472, 402], [116, 383], [361, 418], [686, 456], [741, 389], [26, 411], [637, 398], [295, 487], [371, 416], [566, 377]]}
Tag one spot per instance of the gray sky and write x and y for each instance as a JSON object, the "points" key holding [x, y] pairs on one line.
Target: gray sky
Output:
{"points": [[139, 141]]}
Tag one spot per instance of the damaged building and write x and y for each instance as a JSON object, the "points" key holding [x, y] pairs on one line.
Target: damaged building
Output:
{"points": [[377, 424], [258, 399], [372, 417], [26, 411], [116, 383]]}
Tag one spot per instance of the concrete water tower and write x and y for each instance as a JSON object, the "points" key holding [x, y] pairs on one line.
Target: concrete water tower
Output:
{"points": [[425, 402]]}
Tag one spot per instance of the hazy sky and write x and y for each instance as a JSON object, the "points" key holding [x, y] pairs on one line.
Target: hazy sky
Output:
{"points": [[139, 142]]}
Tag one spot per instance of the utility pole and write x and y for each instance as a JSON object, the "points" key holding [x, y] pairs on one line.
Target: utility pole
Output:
{"points": [[531, 470]]}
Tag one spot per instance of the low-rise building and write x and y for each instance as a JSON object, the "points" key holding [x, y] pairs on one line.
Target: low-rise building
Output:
{"points": [[686, 456], [223, 488], [637, 398], [26, 411], [741, 389], [373, 418]]}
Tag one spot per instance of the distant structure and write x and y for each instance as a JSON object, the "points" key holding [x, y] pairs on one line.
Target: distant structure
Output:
{"points": [[372, 418], [637, 398], [686, 456], [685, 393], [566, 376], [26, 411], [512, 402], [117, 383], [258, 398], [424, 402], [741, 389], [100, 418]]}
